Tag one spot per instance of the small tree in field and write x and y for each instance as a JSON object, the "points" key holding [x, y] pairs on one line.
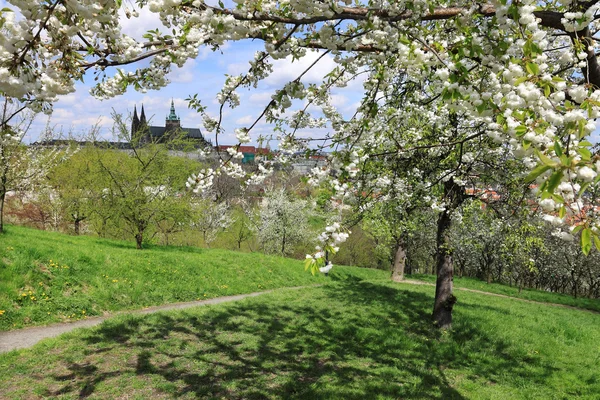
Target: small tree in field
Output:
{"points": [[142, 185], [210, 218], [283, 222]]}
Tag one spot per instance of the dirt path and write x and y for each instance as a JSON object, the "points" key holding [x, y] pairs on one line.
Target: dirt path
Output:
{"points": [[27, 337], [411, 282]]}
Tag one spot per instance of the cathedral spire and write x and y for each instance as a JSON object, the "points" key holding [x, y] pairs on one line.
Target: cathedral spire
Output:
{"points": [[143, 122], [135, 122], [172, 116]]}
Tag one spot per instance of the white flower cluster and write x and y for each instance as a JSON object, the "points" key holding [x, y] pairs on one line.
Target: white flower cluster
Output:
{"points": [[330, 240], [242, 135], [201, 182]]}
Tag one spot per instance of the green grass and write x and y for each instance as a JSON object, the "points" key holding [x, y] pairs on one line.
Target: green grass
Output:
{"points": [[49, 277], [345, 340], [512, 291]]}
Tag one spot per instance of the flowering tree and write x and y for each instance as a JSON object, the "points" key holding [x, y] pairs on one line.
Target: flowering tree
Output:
{"points": [[210, 218], [282, 222], [21, 167], [525, 72]]}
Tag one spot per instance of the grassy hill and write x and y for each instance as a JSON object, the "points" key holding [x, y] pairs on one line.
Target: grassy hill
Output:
{"points": [[351, 340], [50, 277]]}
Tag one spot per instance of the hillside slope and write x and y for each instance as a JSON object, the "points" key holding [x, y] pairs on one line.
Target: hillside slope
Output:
{"points": [[50, 277]]}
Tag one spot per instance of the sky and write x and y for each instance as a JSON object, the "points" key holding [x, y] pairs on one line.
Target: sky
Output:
{"points": [[76, 113]]}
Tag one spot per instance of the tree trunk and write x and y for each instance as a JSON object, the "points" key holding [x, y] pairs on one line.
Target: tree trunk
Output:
{"points": [[444, 299], [76, 227], [139, 237], [2, 198], [399, 260]]}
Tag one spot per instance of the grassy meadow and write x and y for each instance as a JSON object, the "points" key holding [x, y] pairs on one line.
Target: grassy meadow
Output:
{"points": [[348, 339], [50, 277], [354, 336]]}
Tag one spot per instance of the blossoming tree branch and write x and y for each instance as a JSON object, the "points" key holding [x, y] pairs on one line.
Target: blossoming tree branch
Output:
{"points": [[496, 80]]}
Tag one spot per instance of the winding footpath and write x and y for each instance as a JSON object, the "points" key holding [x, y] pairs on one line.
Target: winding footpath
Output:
{"points": [[22, 338]]}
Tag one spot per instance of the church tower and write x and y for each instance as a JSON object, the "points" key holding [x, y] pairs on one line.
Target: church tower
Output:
{"points": [[143, 122], [135, 123], [172, 123]]}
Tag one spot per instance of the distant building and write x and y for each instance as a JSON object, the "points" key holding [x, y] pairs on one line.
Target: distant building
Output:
{"points": [[249, 152], [149, 133]]}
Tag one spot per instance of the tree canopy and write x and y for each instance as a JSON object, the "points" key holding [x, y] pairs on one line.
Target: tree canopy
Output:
{"points": [[522, 73]]}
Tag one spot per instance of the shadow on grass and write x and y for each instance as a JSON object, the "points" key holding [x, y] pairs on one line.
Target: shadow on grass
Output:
{"points": [[351, 341]]}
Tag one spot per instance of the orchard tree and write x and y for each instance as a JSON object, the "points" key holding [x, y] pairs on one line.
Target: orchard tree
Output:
{"points": [[282, 222], [22, 167], [525, 73], [210, 218], [75, 183], [142, 186]]}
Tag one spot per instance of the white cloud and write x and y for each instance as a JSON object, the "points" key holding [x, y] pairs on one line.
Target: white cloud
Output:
{"points": [[184, 74], [338, 100], [245, 120], [261, 97], [237, 68], [137, 27], [287, 70]]}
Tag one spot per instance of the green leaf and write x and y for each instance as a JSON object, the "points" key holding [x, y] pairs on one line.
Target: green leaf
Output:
{"points": [[558, 149], [532, 68], [537, 171], [577, 229], [521, 80], [521, 130], [586, 155], [545, 159], [597, 242], [554, 180], [562, 212], [586, 241], [308, 264], [583, 189]]}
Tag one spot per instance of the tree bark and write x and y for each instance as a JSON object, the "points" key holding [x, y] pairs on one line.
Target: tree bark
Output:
{"points": [[2, 199], [399, 260], [444, 299], [139, 238]]}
